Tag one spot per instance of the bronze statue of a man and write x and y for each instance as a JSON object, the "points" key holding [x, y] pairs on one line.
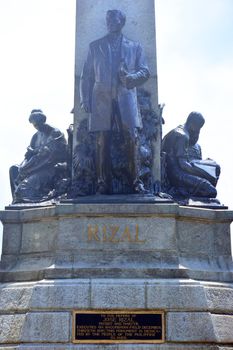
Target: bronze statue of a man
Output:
{"points": [[114, 67], [188, 174]]}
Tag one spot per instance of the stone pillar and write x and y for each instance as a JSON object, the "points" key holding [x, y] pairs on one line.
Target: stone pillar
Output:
{"points": [[140, 26]]}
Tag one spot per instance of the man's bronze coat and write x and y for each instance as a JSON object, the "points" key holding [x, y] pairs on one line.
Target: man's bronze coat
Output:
{"points": [[96, 84]]}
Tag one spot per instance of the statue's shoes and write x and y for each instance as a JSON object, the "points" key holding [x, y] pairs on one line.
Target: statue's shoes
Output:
{"points": [[102, 188], [139, 188]]}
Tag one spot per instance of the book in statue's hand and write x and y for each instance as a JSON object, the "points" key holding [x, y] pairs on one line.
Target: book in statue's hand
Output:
{"points": [[207, 166]]}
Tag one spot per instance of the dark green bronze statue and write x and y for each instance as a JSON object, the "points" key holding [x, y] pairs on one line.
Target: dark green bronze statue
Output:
{"points": [[41, 175], [114, 68], [186, 174]]}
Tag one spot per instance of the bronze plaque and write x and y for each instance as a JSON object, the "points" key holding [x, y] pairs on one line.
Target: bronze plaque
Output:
{"points": [[100, 326]]}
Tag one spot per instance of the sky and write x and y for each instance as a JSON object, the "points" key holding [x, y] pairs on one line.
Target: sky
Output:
{"points": [[195, 72]]}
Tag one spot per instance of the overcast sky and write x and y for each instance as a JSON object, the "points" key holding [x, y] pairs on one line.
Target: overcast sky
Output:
{"points": [[195, 72]]}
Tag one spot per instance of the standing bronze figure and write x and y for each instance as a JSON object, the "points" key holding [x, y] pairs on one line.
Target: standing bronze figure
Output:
{"points": [[114, 67]]}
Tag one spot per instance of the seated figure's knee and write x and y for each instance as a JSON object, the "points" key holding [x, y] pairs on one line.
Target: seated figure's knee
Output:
{"points": [[14, 171], [206, 189]]}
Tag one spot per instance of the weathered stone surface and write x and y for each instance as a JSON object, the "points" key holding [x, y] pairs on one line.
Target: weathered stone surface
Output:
{"points": [[176, 296], [222, 239], [199, 327], [117, 233], [11, 327], [219, 298], [101, 210], [128, 240], [223, 326], [182, 295], [39, 236], [205, 214], [66, 294], [48, 327], [37, 213], [117, 294], [82, 293], [190, 327], [195, 237], [12, 238], [15, 297], [203, 239], [35, 327], [45, 295]]}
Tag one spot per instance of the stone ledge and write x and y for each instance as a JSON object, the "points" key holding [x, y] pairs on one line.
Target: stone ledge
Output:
{"points": [[67, 294], [127, 210], [60, 272], [199, 327], [35, 327]]}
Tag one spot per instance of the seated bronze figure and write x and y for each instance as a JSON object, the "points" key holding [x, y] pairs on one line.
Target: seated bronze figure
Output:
{"points": [[186, 174], [42, 169]]}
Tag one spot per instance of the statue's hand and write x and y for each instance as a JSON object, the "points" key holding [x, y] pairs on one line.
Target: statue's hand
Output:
{"points": [[29, 153], [85, 107], [43, 151], [130, 81], [22, 173]]}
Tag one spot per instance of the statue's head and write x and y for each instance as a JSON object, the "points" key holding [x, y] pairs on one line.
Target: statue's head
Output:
{"points": [[115, 20], [194, 123], [37, 118]]}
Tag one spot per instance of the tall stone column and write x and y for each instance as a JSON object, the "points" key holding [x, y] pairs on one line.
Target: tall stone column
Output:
{"points": [[140, 26]]}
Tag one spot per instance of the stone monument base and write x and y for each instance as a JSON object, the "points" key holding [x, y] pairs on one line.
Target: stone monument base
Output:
{"points": [[116, 257], [38, 315]]}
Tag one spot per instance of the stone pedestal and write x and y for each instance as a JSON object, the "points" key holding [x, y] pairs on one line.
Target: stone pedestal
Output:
{"points": [[116, 257]]}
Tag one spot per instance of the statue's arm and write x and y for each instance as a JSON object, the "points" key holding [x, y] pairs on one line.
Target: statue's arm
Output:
{"points": [[181, 149], [53, 151], [141, 74], [31, 148], [86, 82], [190, 168]]}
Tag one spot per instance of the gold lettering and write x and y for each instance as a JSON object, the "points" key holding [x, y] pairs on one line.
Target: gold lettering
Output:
{"points": [[137, 240], [105, 237], [114, 230], [126, 235], [93, 233]]}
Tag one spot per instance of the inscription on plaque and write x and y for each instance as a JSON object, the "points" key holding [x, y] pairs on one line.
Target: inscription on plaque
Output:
{"points": [[118, 326]]}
